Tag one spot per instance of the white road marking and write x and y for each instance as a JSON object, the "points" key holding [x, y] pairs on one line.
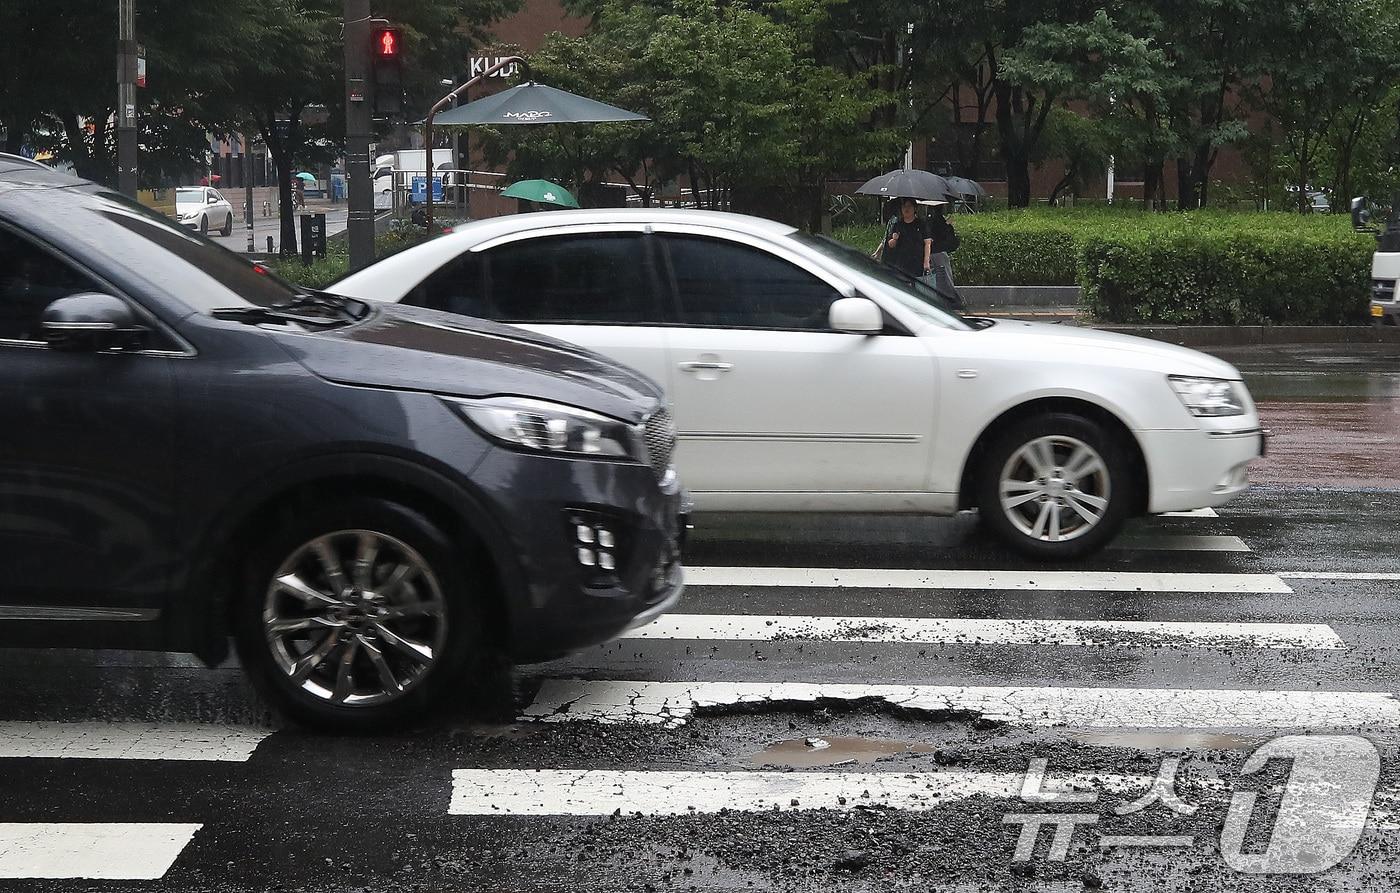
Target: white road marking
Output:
{"points": [[1192, 513], [129, 741], [1325, 575], [1180, 543], [1061, 581], [671, 704], [601, 792], [131, 851], [940, 630]]}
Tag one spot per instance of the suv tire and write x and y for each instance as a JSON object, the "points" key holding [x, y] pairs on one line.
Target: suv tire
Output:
{"points": [[358, 614]]}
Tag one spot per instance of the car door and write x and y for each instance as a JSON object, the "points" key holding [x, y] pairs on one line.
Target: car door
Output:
{"points": [[769, 400], [87, 468], [595, 288]]}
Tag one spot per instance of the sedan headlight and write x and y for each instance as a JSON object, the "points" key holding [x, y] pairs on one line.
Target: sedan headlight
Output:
{"points": [[541, 426], [1209, 396]]}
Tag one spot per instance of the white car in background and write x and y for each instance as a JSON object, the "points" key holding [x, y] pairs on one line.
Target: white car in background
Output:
{"points": [[203, 208], [805, 377]]}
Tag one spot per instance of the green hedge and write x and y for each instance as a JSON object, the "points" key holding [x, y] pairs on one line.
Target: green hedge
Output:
{"points": [[323, 271], [1203, 267]]}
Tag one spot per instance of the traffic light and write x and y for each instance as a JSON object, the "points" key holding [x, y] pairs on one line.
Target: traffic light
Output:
{"points": [[386, 59]]}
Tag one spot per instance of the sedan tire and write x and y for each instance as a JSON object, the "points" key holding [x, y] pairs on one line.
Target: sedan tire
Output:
{"points": [[358, 615], [1056, 486], [204, 225], [228, 226]]}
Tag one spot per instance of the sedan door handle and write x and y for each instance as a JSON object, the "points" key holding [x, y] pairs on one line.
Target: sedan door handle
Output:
{"points": [[698, 365]]}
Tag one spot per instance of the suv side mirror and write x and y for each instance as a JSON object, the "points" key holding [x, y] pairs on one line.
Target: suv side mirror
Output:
{"points": [[857, 316], [91, 321]]}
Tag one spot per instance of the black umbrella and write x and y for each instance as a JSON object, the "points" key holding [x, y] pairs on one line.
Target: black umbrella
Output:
{"points": [[914, 184], [965, 187], [535, 104]]}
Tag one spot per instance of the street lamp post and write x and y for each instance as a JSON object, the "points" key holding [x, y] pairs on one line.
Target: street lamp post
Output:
{"points": [[442, 104]]}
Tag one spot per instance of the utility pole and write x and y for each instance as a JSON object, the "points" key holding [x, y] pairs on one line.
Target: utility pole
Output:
{"points": [[126, 97], [359, 130]]}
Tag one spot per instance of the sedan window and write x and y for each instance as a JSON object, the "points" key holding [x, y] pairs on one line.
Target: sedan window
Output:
{"points": [[720, 283], [598, 278]]}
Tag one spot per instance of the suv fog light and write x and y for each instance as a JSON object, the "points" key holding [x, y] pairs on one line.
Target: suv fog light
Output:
{"points": [[594, 540]]}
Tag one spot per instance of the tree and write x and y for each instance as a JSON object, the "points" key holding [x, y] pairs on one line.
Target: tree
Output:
{"points": [[60, 92], [1328, 73]]}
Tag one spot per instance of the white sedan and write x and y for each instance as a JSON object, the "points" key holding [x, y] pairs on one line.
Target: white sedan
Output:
{"points": [[203, 208], [805, 377]]}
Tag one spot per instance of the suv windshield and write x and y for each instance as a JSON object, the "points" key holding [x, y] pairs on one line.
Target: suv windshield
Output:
{"points": [[910, 292]]}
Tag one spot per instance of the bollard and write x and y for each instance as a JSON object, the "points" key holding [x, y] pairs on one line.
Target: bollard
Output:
{"points": [[269, 244]]}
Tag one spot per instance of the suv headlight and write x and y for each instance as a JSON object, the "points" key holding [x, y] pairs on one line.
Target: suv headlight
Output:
{"points": [[541, 426], [1209, 396]]}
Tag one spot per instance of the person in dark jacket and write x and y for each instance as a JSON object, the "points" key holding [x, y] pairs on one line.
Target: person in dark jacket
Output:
{"points": [[945, 241], [908, 245]]}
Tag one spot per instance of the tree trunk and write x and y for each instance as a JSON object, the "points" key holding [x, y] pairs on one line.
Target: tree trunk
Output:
{"points": [[1185, 185], [1151, 183], [1013, 150], [282, 159]]}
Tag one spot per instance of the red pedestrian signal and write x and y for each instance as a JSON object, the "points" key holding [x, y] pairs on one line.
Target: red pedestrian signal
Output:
{"points": [[386, 44]]}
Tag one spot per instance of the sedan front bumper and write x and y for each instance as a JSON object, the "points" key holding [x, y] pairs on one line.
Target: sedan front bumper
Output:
{"points": [[1198, 469]]}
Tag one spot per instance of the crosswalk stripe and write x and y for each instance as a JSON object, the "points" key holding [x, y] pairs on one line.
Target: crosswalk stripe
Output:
{"points": [[1337, 575], [943, 630], [671, 704], [1192, 513], [126, 851], [1080, 581], [601, 792], [1180, 543], [129, 741]]}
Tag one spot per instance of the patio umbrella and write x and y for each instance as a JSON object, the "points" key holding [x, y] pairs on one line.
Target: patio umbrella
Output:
{"points": [[541, 191], [965, 187], [310, 178], [533, 103], [909, 184], [529, 103]]}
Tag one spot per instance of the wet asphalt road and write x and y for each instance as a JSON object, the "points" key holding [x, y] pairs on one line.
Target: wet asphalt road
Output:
{"points": [[317, 813]]}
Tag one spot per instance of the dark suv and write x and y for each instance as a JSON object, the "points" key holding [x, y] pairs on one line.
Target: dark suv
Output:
{"points": [[368, 499]]}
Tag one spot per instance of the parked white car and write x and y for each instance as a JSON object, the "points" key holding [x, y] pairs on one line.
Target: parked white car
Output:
{"points": [[805, 377], [203, 208]]}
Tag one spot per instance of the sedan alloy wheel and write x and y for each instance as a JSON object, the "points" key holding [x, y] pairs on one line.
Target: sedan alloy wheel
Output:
{"points": [[1055, 488]]}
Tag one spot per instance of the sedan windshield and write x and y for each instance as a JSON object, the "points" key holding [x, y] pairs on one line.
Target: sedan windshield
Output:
{"points": [[910, 292], [191, 196]]}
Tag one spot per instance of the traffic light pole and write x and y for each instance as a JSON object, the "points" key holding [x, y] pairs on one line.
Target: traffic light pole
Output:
{"points": [[359, 130], [126, 97]]}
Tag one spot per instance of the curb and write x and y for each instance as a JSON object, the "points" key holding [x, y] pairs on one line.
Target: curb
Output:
{"points": [[1243, 336]]}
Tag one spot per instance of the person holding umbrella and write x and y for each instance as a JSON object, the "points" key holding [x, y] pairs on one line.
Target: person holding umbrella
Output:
{"points": [[908, 242]]}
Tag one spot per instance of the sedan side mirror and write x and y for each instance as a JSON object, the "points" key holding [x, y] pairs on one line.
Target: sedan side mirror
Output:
{"points": [[91, 321], [857, 316]]}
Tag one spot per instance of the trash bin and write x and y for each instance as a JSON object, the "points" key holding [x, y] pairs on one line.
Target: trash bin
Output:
{"points": [[313, 236]]}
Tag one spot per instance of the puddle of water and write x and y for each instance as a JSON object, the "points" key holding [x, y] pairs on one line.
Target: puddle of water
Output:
{"points": [[803, 753], [1167, 739]]}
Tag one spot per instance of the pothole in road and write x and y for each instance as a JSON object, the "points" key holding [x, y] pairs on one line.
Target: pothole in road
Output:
{"points": [[805, 753], [1166, 739]]}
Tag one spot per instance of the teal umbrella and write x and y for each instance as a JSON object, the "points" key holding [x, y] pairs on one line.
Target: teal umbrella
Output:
{"points": [[310, 178], [541, 191]]}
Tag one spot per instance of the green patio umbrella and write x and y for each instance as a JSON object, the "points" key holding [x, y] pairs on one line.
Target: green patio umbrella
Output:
{"points": [[310, 178], [541, 191]]}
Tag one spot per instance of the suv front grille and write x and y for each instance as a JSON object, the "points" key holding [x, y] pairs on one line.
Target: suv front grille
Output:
{"points": [[1383, 290], [659, 433]]}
